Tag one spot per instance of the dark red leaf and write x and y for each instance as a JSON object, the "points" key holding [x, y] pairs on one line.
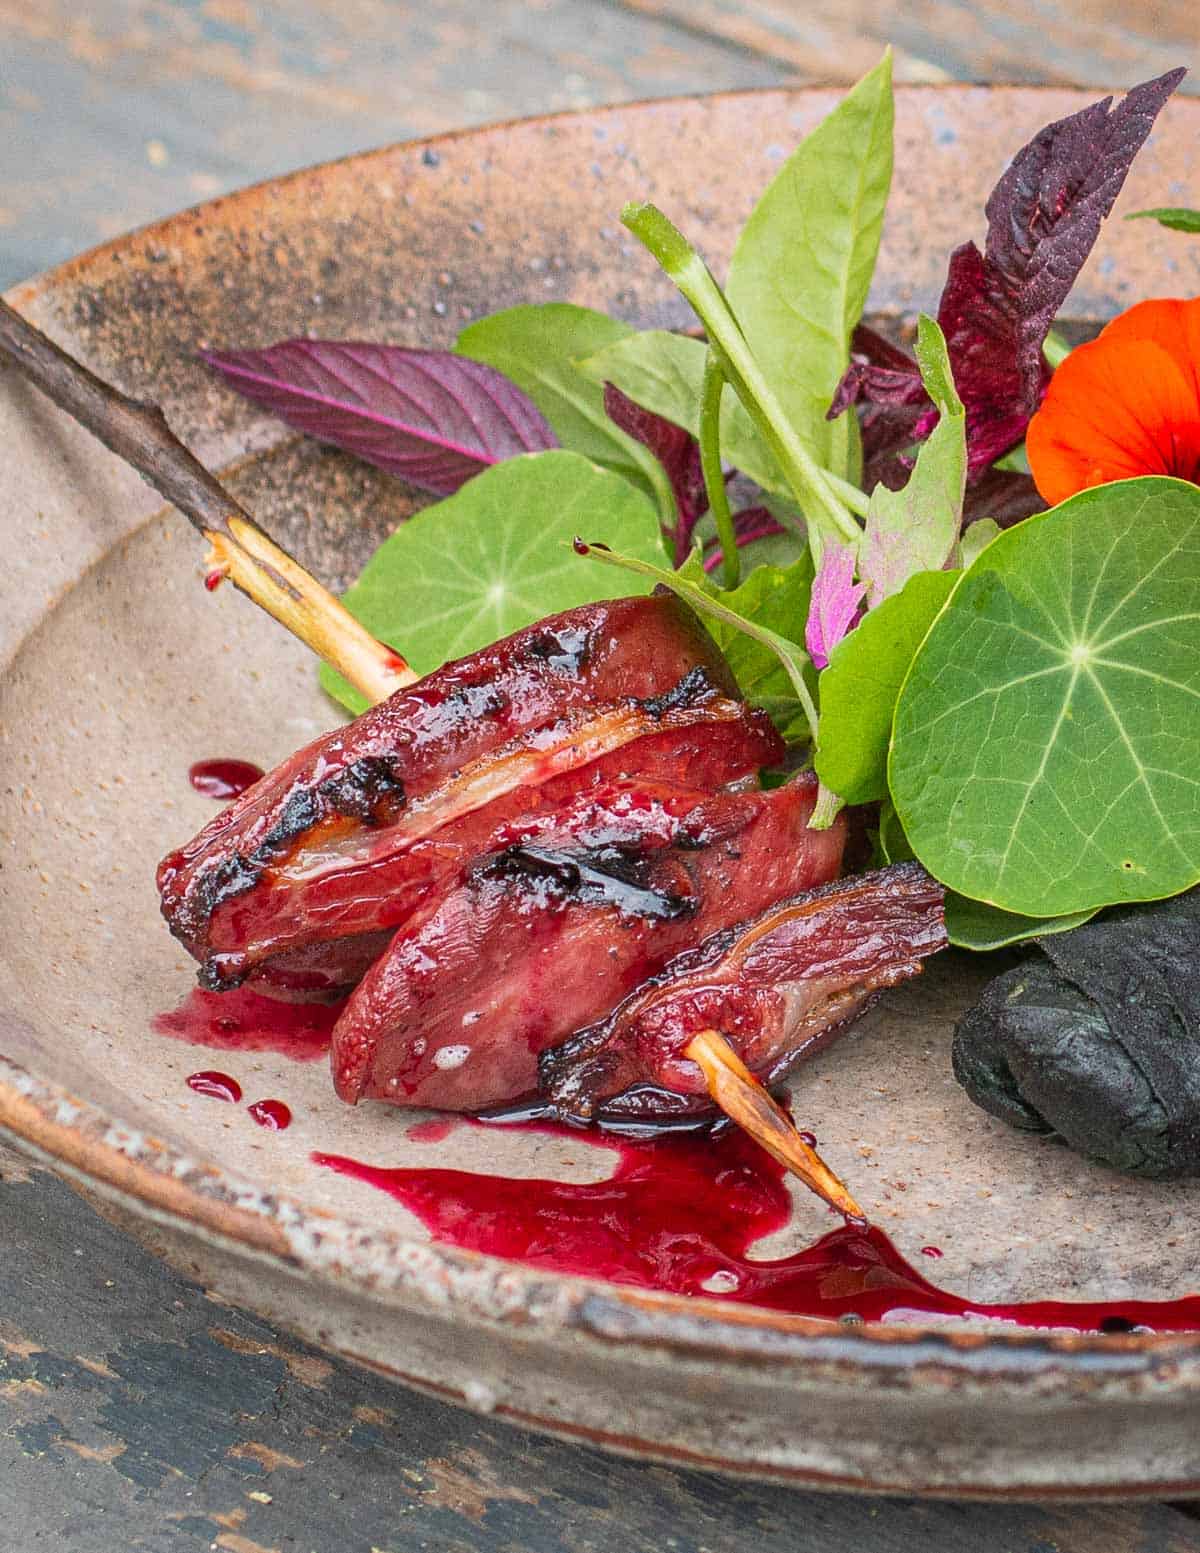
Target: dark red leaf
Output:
{"points": [[751, 524], [1005, 495], [431, 417], [1043, 217], [676, 450]]}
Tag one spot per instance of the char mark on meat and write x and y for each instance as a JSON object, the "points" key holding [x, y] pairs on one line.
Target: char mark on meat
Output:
{"points": [[618, 876]]}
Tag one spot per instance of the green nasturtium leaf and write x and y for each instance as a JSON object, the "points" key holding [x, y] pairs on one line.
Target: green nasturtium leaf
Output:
{"points": [[916, 529], [496, 556], [536, 346], [858, 690], [1046, 747], [975, 925], [800, 272]]}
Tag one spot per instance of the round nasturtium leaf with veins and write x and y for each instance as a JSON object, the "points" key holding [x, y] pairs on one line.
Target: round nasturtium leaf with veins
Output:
{"points": [[1046, 747]]}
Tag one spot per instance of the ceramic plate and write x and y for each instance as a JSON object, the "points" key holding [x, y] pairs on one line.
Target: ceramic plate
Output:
{"points": [[117, 671]]}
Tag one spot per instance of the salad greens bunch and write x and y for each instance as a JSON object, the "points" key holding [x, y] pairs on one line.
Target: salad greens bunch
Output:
{"points": [[1017, 690]]}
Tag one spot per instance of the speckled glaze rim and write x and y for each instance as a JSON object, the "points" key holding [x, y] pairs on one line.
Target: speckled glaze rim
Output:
{"points": [[146, 1177]]}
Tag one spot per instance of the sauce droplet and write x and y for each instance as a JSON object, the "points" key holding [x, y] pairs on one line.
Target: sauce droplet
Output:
{"points": [[932, 1251], [223, 779], [219, 1086], [433, 1130], [271, 1114]]}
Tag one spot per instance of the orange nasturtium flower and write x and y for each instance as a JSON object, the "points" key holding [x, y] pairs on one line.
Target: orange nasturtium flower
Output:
{"points": [[1126, 404]]}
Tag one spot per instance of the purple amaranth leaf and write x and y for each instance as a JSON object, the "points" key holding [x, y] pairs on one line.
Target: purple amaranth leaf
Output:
{"points": [[676, 450], [834, 604], [431, 417], [1043, 217], [748, 525]]}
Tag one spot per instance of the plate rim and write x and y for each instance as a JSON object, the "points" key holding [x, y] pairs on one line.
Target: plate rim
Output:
{"points": [[79, 1139]]}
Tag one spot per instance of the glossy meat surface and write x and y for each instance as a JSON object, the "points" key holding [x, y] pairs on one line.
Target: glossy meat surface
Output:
{"points": [[321, 849], [545, 935], [778, 987]]}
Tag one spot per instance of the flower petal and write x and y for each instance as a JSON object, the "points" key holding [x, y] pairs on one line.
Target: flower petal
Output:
{"points": [[1116, 408]]}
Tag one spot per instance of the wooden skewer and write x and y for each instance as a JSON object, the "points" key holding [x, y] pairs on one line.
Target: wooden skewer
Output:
{"points": [[249, 558], [240, 550], [745, 1101]]}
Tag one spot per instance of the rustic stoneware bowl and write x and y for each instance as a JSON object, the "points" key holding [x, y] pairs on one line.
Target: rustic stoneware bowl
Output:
{"points": [[117, 670]]}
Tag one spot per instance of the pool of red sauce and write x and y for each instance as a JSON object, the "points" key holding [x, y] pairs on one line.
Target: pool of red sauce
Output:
{"points": [[679, 1215], [242, 1020], [223, 779]]}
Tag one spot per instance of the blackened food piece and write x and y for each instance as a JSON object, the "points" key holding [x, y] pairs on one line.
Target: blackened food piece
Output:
{"points": [[1097, 1039]]}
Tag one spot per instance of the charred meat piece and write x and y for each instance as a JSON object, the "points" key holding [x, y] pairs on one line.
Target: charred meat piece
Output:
{"points": [[544, 935], [369, 879], [577, 689], [778, 987]]}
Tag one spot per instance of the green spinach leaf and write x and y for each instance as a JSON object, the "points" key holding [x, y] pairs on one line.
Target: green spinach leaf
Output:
{"points": [[536, 346], [663, 372], [800, 272], [974, 925], [915, 529], [858, 690]]}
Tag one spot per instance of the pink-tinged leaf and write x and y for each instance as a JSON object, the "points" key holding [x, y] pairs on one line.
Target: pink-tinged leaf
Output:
{"points": [[676, 450], [835, 601], [431, 417], [1044, 216]]}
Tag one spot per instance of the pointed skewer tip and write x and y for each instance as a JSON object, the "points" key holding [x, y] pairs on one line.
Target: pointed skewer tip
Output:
{"points": [[745, 1100]]}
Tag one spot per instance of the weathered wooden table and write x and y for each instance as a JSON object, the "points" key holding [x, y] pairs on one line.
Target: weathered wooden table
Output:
{"points": [[135, 1413]]}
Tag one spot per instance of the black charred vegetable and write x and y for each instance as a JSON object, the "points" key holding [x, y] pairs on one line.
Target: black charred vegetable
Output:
{"points": [[1097, 1039]]}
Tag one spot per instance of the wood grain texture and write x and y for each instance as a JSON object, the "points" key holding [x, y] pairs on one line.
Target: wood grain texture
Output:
{"points": [[138, 1415], [124, 110], [1075, 43]]}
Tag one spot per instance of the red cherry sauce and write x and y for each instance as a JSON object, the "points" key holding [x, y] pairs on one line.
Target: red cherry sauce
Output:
{"points": [[679, 1215], [223, 779], [271, 1114], [245, 1021], [433, 1130], [218, 1086]]}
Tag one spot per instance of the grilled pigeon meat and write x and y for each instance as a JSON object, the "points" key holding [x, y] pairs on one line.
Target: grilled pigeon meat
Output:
{"points": [[555, 929], [778, 987], [299, 884]]}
